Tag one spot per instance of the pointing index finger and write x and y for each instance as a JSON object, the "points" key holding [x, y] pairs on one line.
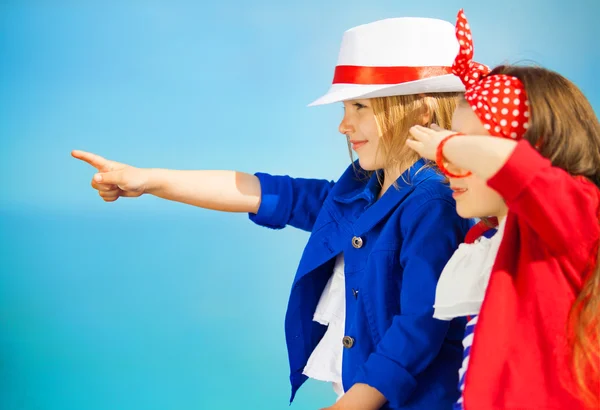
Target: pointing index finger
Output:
{"points": [[98, 162]]}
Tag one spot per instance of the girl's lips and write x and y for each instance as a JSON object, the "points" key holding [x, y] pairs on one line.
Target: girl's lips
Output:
{"points": [[458, 191], [357, 144]]}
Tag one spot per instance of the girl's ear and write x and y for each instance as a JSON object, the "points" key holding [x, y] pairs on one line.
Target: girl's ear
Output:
{"points": [[427, 114]]}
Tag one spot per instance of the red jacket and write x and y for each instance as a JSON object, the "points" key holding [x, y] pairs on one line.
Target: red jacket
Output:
{"points": [[520, 356]]}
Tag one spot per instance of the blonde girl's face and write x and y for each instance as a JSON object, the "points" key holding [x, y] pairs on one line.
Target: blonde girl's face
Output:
{"points": [[360, 127]]}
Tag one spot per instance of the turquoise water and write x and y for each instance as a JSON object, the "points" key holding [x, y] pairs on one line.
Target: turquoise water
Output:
{"points": [[132, 310]]}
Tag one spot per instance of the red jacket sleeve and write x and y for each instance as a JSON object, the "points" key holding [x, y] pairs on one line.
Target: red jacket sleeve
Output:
{"points": [[560, 208]]}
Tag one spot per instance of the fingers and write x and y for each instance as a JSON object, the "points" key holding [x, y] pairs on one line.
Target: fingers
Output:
{"points": [[111, 195], [107, 181], [419, 133], [436, 127], [98, 162], [103, 187], [109, 178], [129, 194], [415, 146]]}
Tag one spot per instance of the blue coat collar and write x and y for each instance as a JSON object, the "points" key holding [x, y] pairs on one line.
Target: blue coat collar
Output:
{"points": [[376, 210]]}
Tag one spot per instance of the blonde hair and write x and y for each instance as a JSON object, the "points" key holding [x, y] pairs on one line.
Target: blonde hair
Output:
{"points": [[397, 114]]}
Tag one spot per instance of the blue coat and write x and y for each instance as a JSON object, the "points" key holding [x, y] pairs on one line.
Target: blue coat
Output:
{"points": [[394, 251]]}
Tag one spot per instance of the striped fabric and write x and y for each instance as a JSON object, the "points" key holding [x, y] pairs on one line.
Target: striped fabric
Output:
{"points": [[467, 343]]}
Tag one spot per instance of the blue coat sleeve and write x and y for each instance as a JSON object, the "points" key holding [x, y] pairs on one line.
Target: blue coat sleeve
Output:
{"points": [[431, 233], [290, 201]]}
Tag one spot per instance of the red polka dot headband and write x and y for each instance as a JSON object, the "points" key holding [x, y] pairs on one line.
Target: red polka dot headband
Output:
{"points": [[499, 100]]}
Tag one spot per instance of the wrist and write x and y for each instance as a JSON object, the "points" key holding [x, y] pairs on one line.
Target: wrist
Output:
{"points": [[360, 397], [153, 181], [440, 158]]}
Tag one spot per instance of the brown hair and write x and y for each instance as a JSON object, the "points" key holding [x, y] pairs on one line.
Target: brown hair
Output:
{"points": [[397, 114], [564, 123]]}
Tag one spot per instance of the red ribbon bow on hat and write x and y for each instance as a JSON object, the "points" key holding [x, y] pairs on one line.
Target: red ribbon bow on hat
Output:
{"points": [[499, 100]]}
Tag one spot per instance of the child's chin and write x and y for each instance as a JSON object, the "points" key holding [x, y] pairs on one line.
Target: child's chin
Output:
{"points": [[466, 213], [366, 164]]}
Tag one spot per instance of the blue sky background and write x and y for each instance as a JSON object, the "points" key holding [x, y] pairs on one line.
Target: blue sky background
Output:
{"points": [[146, 304]]}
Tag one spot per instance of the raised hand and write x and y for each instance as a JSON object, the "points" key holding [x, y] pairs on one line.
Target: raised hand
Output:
{"points": [[425, 140], [114, 179]]}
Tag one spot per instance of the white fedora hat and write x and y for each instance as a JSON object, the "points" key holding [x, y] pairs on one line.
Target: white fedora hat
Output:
{"points": [[397, 56]]}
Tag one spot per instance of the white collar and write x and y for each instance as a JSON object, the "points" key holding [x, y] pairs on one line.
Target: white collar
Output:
{"points": [[463, 282]]}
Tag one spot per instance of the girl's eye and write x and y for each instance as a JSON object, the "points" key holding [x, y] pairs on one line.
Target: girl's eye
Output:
{"points": [[359, 105]]}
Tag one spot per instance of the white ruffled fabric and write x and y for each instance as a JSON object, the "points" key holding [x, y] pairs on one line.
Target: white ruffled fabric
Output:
{"points": [[463, 282], [325, 362]]}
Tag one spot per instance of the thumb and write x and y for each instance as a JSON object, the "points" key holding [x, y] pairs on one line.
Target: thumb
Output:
{"points": [[109, 178], [436, 127]]}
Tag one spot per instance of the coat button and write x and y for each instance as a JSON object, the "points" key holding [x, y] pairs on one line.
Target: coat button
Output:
{"points": [[357, 242], [348, 342]]}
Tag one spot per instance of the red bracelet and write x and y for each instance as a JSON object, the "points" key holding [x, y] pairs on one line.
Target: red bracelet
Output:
{"points": [[439, 158]]}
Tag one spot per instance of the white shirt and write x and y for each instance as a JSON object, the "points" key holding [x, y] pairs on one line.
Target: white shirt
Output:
{"points": [[325, 362], [463, 282]]}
